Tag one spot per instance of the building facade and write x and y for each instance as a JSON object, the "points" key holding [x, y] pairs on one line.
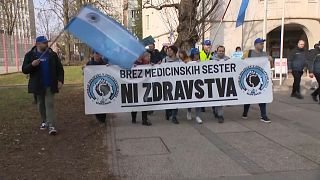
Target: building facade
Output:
{"points": [[302, 21], [19, 40], [160, 24]]}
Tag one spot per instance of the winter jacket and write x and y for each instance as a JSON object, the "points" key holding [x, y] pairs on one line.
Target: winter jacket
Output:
{"points": [[35, 84], [297, 59]]}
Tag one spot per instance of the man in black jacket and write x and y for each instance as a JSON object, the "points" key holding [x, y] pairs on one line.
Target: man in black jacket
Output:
{"points": [[46, 79], [155, 54], [297, 61], [314, 68]]}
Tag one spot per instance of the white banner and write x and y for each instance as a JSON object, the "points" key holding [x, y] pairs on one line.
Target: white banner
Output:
{"points": [[109, 89]]}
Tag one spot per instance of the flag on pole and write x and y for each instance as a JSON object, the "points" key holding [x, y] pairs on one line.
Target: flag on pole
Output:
{"points": [[106, 36], [242, 12]]}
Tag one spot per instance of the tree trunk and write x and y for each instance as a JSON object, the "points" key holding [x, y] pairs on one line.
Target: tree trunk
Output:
{"points": [[125, 13], [67, 35], [187, 33]]}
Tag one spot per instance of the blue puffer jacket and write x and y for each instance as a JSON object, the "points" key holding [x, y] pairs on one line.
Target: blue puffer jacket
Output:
{"points": [[297, 59], [314, 60]]}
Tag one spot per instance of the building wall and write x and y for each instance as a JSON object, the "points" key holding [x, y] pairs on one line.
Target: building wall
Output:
{"points": [[303, 13], [159, 24]]}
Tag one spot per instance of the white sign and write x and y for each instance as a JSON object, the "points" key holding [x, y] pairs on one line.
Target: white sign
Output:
{"points": [[278, 67], [109, 89], [237, 55]]}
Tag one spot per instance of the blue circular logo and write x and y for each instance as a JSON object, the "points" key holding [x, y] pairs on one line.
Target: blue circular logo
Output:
{"points": [[93, 17], [102, 89], [253, 80]]}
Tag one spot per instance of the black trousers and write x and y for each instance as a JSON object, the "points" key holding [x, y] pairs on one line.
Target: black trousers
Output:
{"points": [[317, 91], [101, 117], [144, 116], [297, 80]]}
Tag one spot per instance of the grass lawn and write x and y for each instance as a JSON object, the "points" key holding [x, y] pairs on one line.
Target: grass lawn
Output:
{"points": [[73, 75], [78, 151]]}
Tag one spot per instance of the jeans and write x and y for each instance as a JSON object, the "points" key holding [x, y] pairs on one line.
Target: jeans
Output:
{"points": [[46, 107], [218, 110], [317, 91], [297, 80], [263, 109], [198, 111]]}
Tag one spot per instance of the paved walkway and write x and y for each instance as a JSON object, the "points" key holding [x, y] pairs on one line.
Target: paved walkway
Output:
{"points": [[288, 148]]}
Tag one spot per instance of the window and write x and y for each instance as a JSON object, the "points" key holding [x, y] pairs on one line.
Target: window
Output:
{"points": [[148, 21], [134, 14]]}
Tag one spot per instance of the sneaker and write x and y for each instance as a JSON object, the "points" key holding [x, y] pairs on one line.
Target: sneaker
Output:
{"points": [[43, 126], [221, 119], [175, 121], [52, 131], [314, 97], [265, 119], [198, 120], [189, 116], [244, 116], [297, 95]]}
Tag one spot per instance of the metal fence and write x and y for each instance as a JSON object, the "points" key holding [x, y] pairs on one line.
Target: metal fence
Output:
{"points": [[12, 51]]}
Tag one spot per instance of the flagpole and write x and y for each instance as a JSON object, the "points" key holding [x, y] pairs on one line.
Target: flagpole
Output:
{"points": [[282, 40], [216, 33], [265, 20]]}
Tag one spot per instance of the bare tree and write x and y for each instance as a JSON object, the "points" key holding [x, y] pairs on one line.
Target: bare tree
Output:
{"points": [[10, 10], [192, 16], [48, 24], [10, 13]]}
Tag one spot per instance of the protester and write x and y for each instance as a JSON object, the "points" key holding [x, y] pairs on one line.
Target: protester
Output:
{"points": [[220, 56], [206, 54], [297, 61], [172, 57], [314, 68], [163, 52], [184, 56], [46, 79], [97, 59], [238, 54], [155, 54], [257, 52], [313, 83], [194, 57], [145, 59]]}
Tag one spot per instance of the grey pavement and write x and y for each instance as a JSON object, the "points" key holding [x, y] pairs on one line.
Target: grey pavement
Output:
{"points": [[287, 148]]}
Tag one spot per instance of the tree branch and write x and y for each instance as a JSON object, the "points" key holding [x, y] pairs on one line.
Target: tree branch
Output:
{"points": [[198, 3], [160, 7], [213, 7]]}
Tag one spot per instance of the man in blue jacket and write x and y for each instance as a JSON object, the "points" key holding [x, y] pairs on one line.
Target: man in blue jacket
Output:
{"points": [[46, 79], [297, 61]]}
